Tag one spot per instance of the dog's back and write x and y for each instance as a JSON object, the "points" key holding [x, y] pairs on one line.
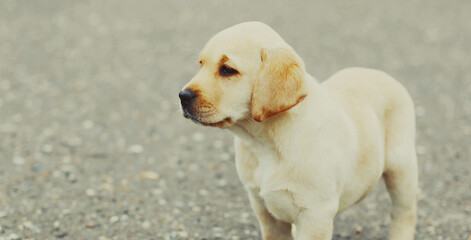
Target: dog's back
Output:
{"points": [[383, 113]]}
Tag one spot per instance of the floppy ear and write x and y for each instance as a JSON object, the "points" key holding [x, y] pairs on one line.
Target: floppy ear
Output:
{"points": [[280, 83]]}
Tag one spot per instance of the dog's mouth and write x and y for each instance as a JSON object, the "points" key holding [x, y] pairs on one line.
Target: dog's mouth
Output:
{"points": [[226, 122]]}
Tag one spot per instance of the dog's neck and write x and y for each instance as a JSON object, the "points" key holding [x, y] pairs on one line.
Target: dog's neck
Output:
{"points": [[249, 129]]}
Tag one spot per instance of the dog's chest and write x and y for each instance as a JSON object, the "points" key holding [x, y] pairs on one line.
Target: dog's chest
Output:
{"points": [[261, 169], [268, 163], [281, 204]]}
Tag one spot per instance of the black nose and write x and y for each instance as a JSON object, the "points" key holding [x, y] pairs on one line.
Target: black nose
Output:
{"points": [[187, 97]]}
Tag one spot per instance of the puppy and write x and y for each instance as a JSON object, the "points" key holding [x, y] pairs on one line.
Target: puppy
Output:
{"points": [[305, 151]]}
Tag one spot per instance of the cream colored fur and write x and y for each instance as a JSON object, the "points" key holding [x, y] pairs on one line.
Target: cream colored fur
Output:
{"points": [[306, 151]]}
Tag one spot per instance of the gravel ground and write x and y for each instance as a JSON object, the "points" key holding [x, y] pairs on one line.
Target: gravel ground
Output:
{"points": [[93, 145]]}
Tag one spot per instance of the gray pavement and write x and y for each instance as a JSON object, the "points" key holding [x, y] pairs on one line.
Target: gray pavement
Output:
{"points": [[93, 145]]}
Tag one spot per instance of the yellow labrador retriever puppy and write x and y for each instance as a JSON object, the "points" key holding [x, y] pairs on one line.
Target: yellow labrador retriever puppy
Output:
{"points": [[305, 151]]}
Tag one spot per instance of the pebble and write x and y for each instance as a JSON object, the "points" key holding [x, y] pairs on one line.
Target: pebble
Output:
{"points": [[114, 219], [149, 175], [91, 192], [165, 105], [421, 149], [193, 167], [88, 124], [225, 156], [62, 235], [56, 173], [66, 159], [222, 182], [74, 141], [183, 234], [420, 111], [67, 168], [47, 148], [13, 236], [27, 224], [18, 160], [218, 144], [182, 140], [65, 212], [17, 117], [89, 225], [198, 136], [107, 187], [172, 234], [34, 229], [203, 192], [5, 85], [244, 217], [36, 167], [56, 225], [180, 174], [146, 224], [136, 149], [157, 191]]}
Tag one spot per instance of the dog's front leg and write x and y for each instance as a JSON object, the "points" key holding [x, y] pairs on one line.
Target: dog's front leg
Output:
{"points": [[271, 228], [315, 224]]}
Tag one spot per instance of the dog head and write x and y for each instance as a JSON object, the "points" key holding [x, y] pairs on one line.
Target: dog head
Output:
{"points": [[247, 71]]}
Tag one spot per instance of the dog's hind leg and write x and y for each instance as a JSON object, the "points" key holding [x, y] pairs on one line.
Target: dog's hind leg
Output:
{"points": [[401, 185], [400, 173]]}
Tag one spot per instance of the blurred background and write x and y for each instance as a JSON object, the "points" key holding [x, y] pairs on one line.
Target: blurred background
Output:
{"points": [[93, 144]]}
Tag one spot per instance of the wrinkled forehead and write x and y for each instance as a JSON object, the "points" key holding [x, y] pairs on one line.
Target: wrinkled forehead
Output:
{"points": [[242, 40]]}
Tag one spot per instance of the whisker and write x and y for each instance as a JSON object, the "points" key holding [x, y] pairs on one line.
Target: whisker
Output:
{"points": [[190, 48], [174, 109], [248, 117]]}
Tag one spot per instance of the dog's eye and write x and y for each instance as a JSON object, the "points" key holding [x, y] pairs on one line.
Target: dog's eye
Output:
{"points": [[227, 71]]}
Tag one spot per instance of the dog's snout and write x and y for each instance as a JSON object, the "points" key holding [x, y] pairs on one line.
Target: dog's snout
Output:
{"points": [[187, 96]]}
